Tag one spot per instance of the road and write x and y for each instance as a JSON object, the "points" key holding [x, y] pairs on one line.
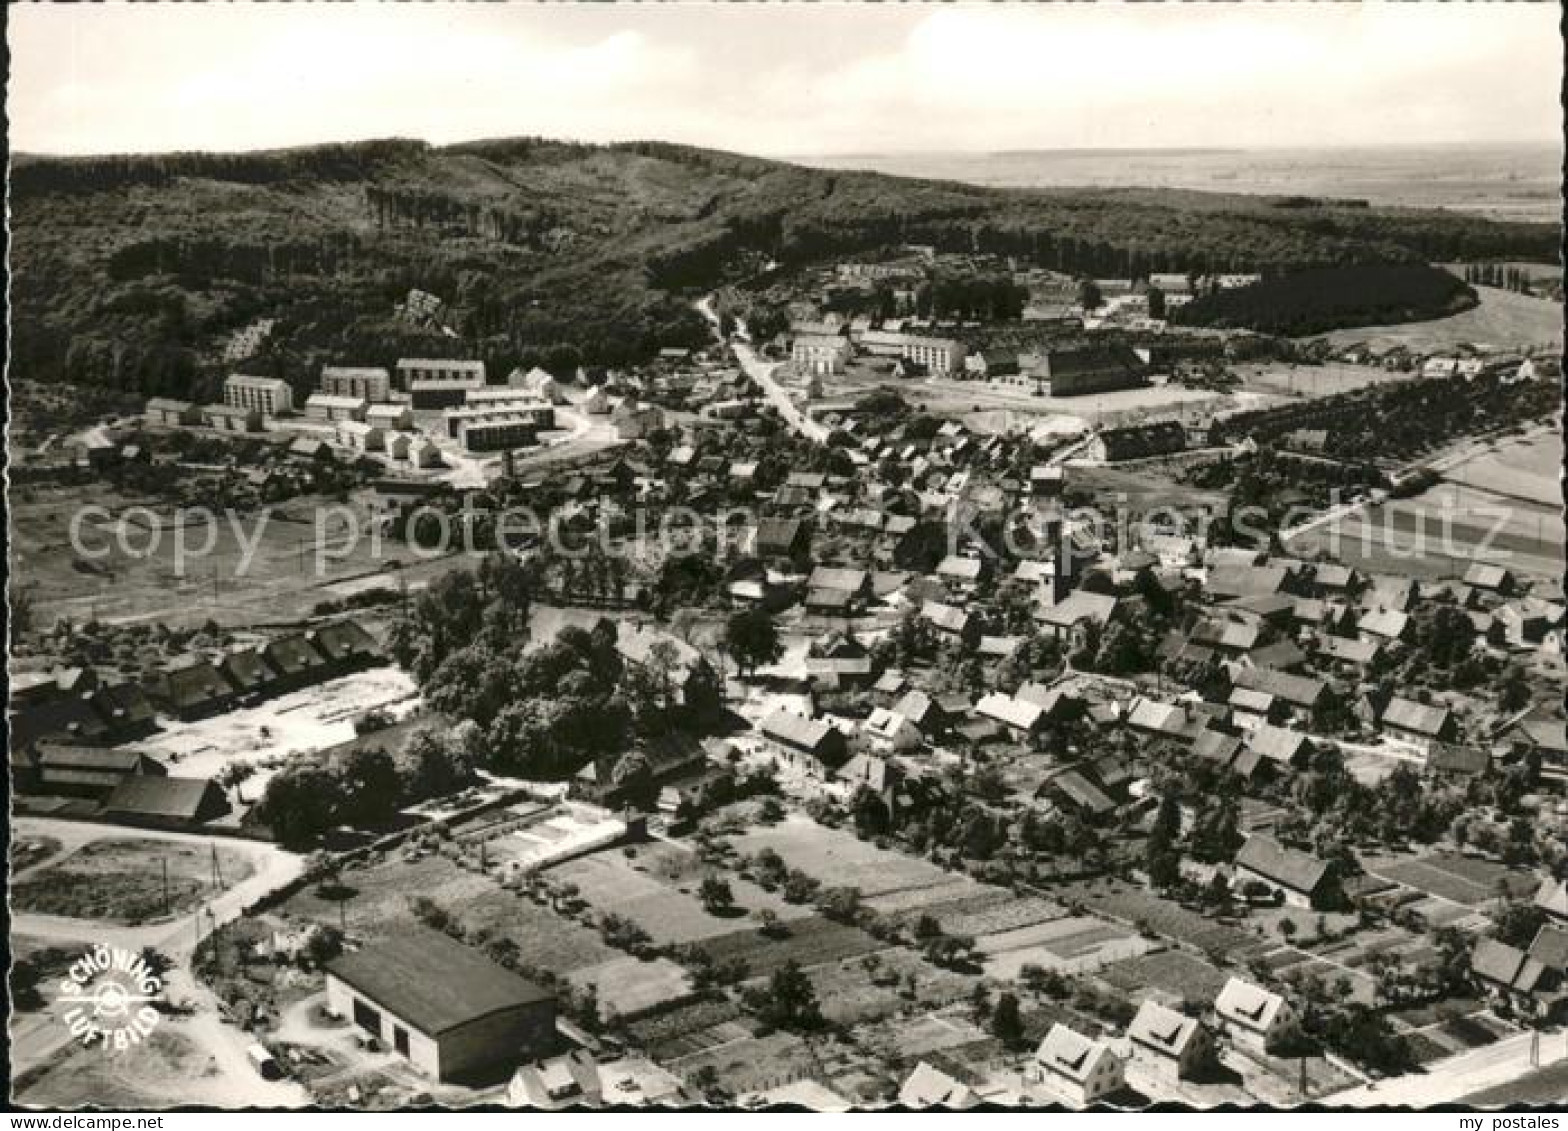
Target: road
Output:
{"points": [[237, 1081], [761, 372], [1448, 1080]]}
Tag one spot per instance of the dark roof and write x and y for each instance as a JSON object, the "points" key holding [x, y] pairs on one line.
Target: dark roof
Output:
{"points": [[292, 654], [1082, 792], [1505, 965], [1298, 871], [247, 670], [114, 759], [194, 685], [185, 798], [1297, 690], [432, 981], [346, 640], [1450, 758], [123, 704], [70, 716]]}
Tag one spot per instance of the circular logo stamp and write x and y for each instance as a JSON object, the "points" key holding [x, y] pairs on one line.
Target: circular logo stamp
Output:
{"points": [[108, 994]]}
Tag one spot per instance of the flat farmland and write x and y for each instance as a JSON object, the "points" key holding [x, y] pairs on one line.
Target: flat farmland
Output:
{"points": [[690, 1028], [1311, 381], [668, 910], [809, 942], [751, 1064], [629, 986], [852, 995], [1121, 901], [123, 880], [145, 581], [1073, 943], [1459, 879], [839, 858], [1525, 467], [1174, 973]]}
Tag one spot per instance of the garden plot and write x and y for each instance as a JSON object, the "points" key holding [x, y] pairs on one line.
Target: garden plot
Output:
{"points": [[1068, 944], [688, 1029], [851, 992], [837, 858], [934, 1033], [751, 1064], [1171, 974], [809, 942], [1459, 879], [1125, 903], [629, 986], [124, 880]]}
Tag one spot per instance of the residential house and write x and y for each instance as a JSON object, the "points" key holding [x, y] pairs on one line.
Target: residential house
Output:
{"points": [[1418, 724], [267, 396], [93, 771], [1252, 1016], [569, 1080], [1079, 1070], [192, 690], [160, 802], [368, 383], [1176, 1046], [811, 743], [1019, 717], [1518, 979], [1299, 877], [929, 1087], [1077, 615], [171, 413]]}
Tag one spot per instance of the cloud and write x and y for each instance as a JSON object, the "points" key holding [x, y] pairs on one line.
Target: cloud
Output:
{"points": [[784, 79]]}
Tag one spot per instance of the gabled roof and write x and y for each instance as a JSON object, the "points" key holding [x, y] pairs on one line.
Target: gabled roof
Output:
{"points": [[930, 1087], [1248, 1005], [1453, 758], [796, 730], [1407, 714], [1081, 792], [1497, 962], [946, 617], [346, 640], [1080, 605], [247, 670], [177, 798], [1299, 871], [1227, 580], [1153, 715], [960, 568], [1550, 947], [1277, 744], [194, 685], [1553, 898], [292, 654], [432, 981], [1005, 709], [1163, 1030], [1297, 690], [917, 707], [833, 577], [1069, 1053]]}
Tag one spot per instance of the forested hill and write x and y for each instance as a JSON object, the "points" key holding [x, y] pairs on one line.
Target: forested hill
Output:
{"points": [[133, 271]]}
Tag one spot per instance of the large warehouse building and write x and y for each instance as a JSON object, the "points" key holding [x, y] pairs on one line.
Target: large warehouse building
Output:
{"points": [[1093, 369], [452, 1012]]}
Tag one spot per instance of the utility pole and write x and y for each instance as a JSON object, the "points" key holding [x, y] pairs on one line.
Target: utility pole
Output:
{"points": [[217, 868], [164, 860]]}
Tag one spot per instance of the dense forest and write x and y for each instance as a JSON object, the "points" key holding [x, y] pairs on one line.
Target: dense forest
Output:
{"points": [[1327, 298], [132, 272]]}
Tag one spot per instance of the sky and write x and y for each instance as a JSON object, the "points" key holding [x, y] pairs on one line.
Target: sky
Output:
{"points": [[784, 80]]}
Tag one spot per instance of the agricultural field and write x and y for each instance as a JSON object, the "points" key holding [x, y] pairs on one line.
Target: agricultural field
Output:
{"points": [[1502, 320], [278, 581], [807, 942], [123, 880], [1459, 879], [750, 1064], [1124, 902], [687, 1029], [1312, 381], [851, 992], [629, 986], [1069, 944], [1174, 975], [657, 887], [1527, 468]]}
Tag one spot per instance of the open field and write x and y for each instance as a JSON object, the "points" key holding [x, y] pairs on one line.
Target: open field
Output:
{"points": [[1311, 381], [1122, 901], [629, 986], [278, 582], [644, 890], [809, 942], [750, 1064], [123, 881], [1461, 879], [1441, 532], [1069, 944], [850, 994], [840, 859], [1527, 468], [1503, 320], [1174, 974], [690, 1028]]}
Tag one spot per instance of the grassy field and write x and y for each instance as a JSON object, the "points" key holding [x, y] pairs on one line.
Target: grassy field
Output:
{"points": [[1461, 879], [1312, 381], [851, 995], [809, 942], [122, 880], [28, 851], [1173, 973], [278, 582], [1122, 901], [1524, 467], [629, 986], [1502, 319], [839, 858]]}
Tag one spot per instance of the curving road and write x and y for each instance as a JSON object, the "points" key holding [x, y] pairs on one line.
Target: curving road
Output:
{"points": [[761, 372]]}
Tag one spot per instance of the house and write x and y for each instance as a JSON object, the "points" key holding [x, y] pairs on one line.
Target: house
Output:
{"points": [[1418, 724], [193, 690], [171, 413], [691, 793], [267, 396], [1226, 580], [939, 356], [1076, 615], [688, 672], [1250, 1015], [248, 672], [635, 421], [1518, 979], [1071, 790], [991, 363], [1228, 753], [1157, 719], [389, 417], [367, 383], [1532, 736], [1137, 441], [1093, 369], [947, 619], [346, 646], [1552, 898], [833, 589], [296, 660], [889, 731], [931, 1087], [1079, 1070], [230, 418], [1020, 717], [537, 383], [1303, 879], [819, 355], [1280, 745], [1299, 692], [93, 771], [821, 744], [877, 776], [1383, 626], [1490, 578], [165, 802], [1174, 1045], [961, 573], [433, 375], [568, 1080], [361, 437], [920, 710], [443, 1006], [125, 710]]}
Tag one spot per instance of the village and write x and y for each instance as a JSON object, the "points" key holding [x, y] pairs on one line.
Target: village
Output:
{"points": [[1053, 706]]}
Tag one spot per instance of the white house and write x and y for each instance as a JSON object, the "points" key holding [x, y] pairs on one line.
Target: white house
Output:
{"points": [[1082, 1072], [1253, 1016]]}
